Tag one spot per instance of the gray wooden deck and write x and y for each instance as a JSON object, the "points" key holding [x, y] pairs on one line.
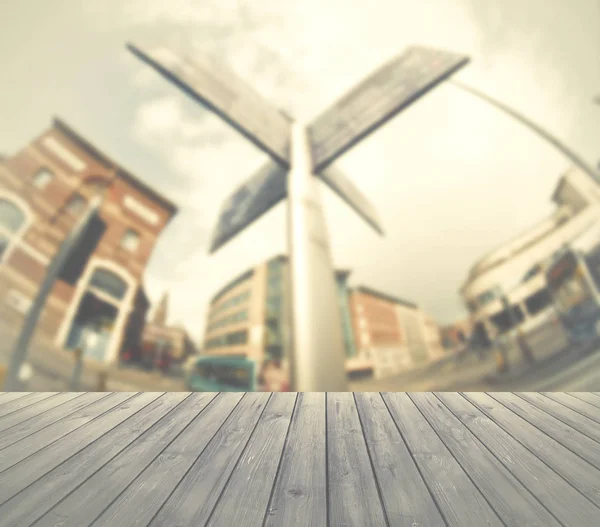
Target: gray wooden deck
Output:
{"points": [[308, 459]]}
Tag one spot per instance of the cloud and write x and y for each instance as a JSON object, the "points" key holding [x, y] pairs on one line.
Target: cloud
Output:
{"points": [[451, 177]]}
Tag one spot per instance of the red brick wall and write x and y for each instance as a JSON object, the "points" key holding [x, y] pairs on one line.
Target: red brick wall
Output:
{"points": [[381, 317]]}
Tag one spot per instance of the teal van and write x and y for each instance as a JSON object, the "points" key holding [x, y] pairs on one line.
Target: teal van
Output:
{"points": [[222, 374]]}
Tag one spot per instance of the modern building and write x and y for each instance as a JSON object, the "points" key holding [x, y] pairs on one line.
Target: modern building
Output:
{"points": [[98, 302], [391, 333], [250, 316], [515, 270], [161, 338]]}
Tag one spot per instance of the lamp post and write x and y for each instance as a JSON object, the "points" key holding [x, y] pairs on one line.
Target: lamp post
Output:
{"points": [[65, 251]]}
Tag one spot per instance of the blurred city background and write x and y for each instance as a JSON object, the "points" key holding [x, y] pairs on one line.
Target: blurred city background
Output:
{"points": [[487, 278]]}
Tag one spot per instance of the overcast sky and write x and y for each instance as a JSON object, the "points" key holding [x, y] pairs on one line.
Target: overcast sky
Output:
{"points": [[451, 177]]}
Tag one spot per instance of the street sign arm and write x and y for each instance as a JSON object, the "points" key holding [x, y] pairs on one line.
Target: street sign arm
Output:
{"points": [[354, 198], [377, 99], [225, 94]]}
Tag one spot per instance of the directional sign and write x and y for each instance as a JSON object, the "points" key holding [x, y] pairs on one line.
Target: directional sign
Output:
{"points": [[250, 201], [207, 81], [378, 98], [346, 190]]}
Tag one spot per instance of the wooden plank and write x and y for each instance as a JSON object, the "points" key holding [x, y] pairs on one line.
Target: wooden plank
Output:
{"points": [[6, 397], [246, 497], [24, 402], [143, 498], [197, 493], [24, 473], [405, 495], [589, 397], [35, 410], [103, 487], [22, 449], [29, 505], [580, 422], [510, 499], [532, 445], [9, 437], [579, 406], [459, 500], [300, 490], [562, 433], [353, 493]]}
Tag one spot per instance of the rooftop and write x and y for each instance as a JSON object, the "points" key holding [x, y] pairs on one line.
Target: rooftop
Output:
{"points": [[384, 296], [107, 162]]}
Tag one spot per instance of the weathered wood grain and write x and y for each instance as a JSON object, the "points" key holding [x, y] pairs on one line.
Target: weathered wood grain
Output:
{"points": [[405, 496], [459, 500], [562, 433], [310, 459], [353, 494], [511, 500], [35, 466], [573, 419], [36, 410], [41, 439], [529, 453], [300, 491], [139, 503], [33, 502], [24, 402], [591, 398], [105, 485], [245, 499], [584, 408], [197, 493], [60, 413], [6, 397]]}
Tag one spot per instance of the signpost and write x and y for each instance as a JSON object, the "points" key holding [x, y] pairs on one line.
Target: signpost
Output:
{"points": [[297, 153]]}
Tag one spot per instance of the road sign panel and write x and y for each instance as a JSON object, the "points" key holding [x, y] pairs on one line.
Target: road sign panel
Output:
{"points": [[346, 190], [260, 193], [378, 98], [207, 81]]}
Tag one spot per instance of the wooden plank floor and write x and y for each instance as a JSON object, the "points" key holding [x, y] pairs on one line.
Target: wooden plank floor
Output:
{"points": [[308, 459]]}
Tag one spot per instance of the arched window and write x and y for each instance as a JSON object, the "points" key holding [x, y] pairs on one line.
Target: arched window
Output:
{"points": [[12, 221], [109, 283]]}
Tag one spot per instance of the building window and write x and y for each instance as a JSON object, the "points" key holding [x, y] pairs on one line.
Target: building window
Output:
{"points": [[12, 220], [130, 240], [42, 178], [487, 297], [539, 301], [76, 204], [109, 283]]}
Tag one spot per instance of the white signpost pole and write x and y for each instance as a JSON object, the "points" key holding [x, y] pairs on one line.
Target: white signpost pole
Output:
{"points": [[318, 353]]}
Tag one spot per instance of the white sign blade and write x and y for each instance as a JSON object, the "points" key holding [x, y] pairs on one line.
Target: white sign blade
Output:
{"points": [[377, 99], [346, 190], [224, 93]]}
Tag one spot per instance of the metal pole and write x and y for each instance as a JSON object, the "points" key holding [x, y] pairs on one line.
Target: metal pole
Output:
{"points": [[75, 382], [65, 251], [556, 143], [318, 352]]}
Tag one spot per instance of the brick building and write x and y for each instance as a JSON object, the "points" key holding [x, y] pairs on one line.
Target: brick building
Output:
{"points": [[391, 333], [98, 302]]}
